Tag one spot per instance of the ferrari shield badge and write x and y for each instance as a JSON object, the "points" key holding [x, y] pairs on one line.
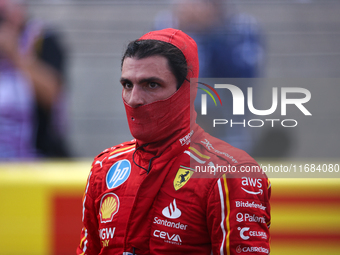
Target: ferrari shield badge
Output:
{"points": [[182, 177]]}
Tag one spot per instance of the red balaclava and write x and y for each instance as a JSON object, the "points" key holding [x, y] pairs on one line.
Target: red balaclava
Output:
{"points": [[169, 119]]}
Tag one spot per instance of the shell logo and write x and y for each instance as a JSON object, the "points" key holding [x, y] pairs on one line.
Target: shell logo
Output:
{"points": [[109, 206]]}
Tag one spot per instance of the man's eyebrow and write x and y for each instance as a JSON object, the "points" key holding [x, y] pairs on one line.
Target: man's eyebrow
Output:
{"points": [[151, 79], [144, 80], [124, 80]]}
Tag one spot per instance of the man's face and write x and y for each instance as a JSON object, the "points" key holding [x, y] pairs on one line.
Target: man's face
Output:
{"points": [[147, 80]]}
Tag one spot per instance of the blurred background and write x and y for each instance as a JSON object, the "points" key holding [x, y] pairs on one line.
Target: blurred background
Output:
{"points": [[40, 209], [300, 39]]}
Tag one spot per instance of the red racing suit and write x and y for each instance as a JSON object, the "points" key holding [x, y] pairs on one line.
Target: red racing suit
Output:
{"points": [[169, 190]]}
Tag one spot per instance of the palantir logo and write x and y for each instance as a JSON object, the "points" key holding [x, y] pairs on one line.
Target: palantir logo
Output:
{"points": [[118, 173], [204, 97], [171, 211]]}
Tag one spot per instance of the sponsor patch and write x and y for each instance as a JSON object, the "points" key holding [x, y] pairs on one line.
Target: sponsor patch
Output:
{"points": [[245, 233], [106, 233], [100, 162], [171, 211], [186, 139], [252, 183], [246, 217], [167, 237], [252, 249], [170, 224], [248, 204], [109, 206], [118, 173], [182, 177], [211, 148]]}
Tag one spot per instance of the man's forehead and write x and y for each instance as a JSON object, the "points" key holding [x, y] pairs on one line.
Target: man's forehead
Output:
{"points": [[147, 69], [155, 61]]}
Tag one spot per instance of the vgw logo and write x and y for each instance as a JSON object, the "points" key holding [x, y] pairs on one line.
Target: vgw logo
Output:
{"points": [[239, 104]]}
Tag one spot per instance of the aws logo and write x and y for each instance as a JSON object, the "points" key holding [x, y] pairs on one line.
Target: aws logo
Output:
{"points": [[252, 183], [204, 97]]}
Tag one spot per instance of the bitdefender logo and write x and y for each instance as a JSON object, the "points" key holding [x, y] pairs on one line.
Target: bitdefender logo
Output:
{"points": [[238, 107]]}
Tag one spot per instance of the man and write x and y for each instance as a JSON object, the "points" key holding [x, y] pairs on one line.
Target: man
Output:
{"points": [[142, 196]]}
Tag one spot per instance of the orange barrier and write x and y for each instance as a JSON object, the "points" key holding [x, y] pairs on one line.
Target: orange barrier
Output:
{"points": [[41, 204]]}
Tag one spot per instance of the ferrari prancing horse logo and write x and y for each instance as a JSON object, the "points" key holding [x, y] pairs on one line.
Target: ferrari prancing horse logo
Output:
{"points": [[182, 177]]}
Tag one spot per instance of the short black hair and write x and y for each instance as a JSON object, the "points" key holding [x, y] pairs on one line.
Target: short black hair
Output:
{"points": [[146, 48]]}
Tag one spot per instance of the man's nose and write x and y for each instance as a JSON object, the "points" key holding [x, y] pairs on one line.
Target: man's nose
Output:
{"points": [[136, 97]]}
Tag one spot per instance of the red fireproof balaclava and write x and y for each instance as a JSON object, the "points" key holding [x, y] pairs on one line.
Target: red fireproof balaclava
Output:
{"points": [[168, 119]]}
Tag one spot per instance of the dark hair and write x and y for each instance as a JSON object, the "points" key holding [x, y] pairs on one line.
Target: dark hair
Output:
{"points": [[146, 48]]}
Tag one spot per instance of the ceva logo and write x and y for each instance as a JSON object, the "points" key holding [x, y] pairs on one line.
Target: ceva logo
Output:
{"points": [[204, 97], [176, 239]]}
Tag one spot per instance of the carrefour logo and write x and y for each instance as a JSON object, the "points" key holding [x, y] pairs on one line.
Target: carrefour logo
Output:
{"points": [[118, 174]]}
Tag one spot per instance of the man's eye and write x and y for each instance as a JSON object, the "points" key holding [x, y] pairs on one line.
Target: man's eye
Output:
{"points": [[153, 85], [127, 85]]}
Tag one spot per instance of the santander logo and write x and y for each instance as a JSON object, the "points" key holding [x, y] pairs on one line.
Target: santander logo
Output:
{"points": [[171, 211]]}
